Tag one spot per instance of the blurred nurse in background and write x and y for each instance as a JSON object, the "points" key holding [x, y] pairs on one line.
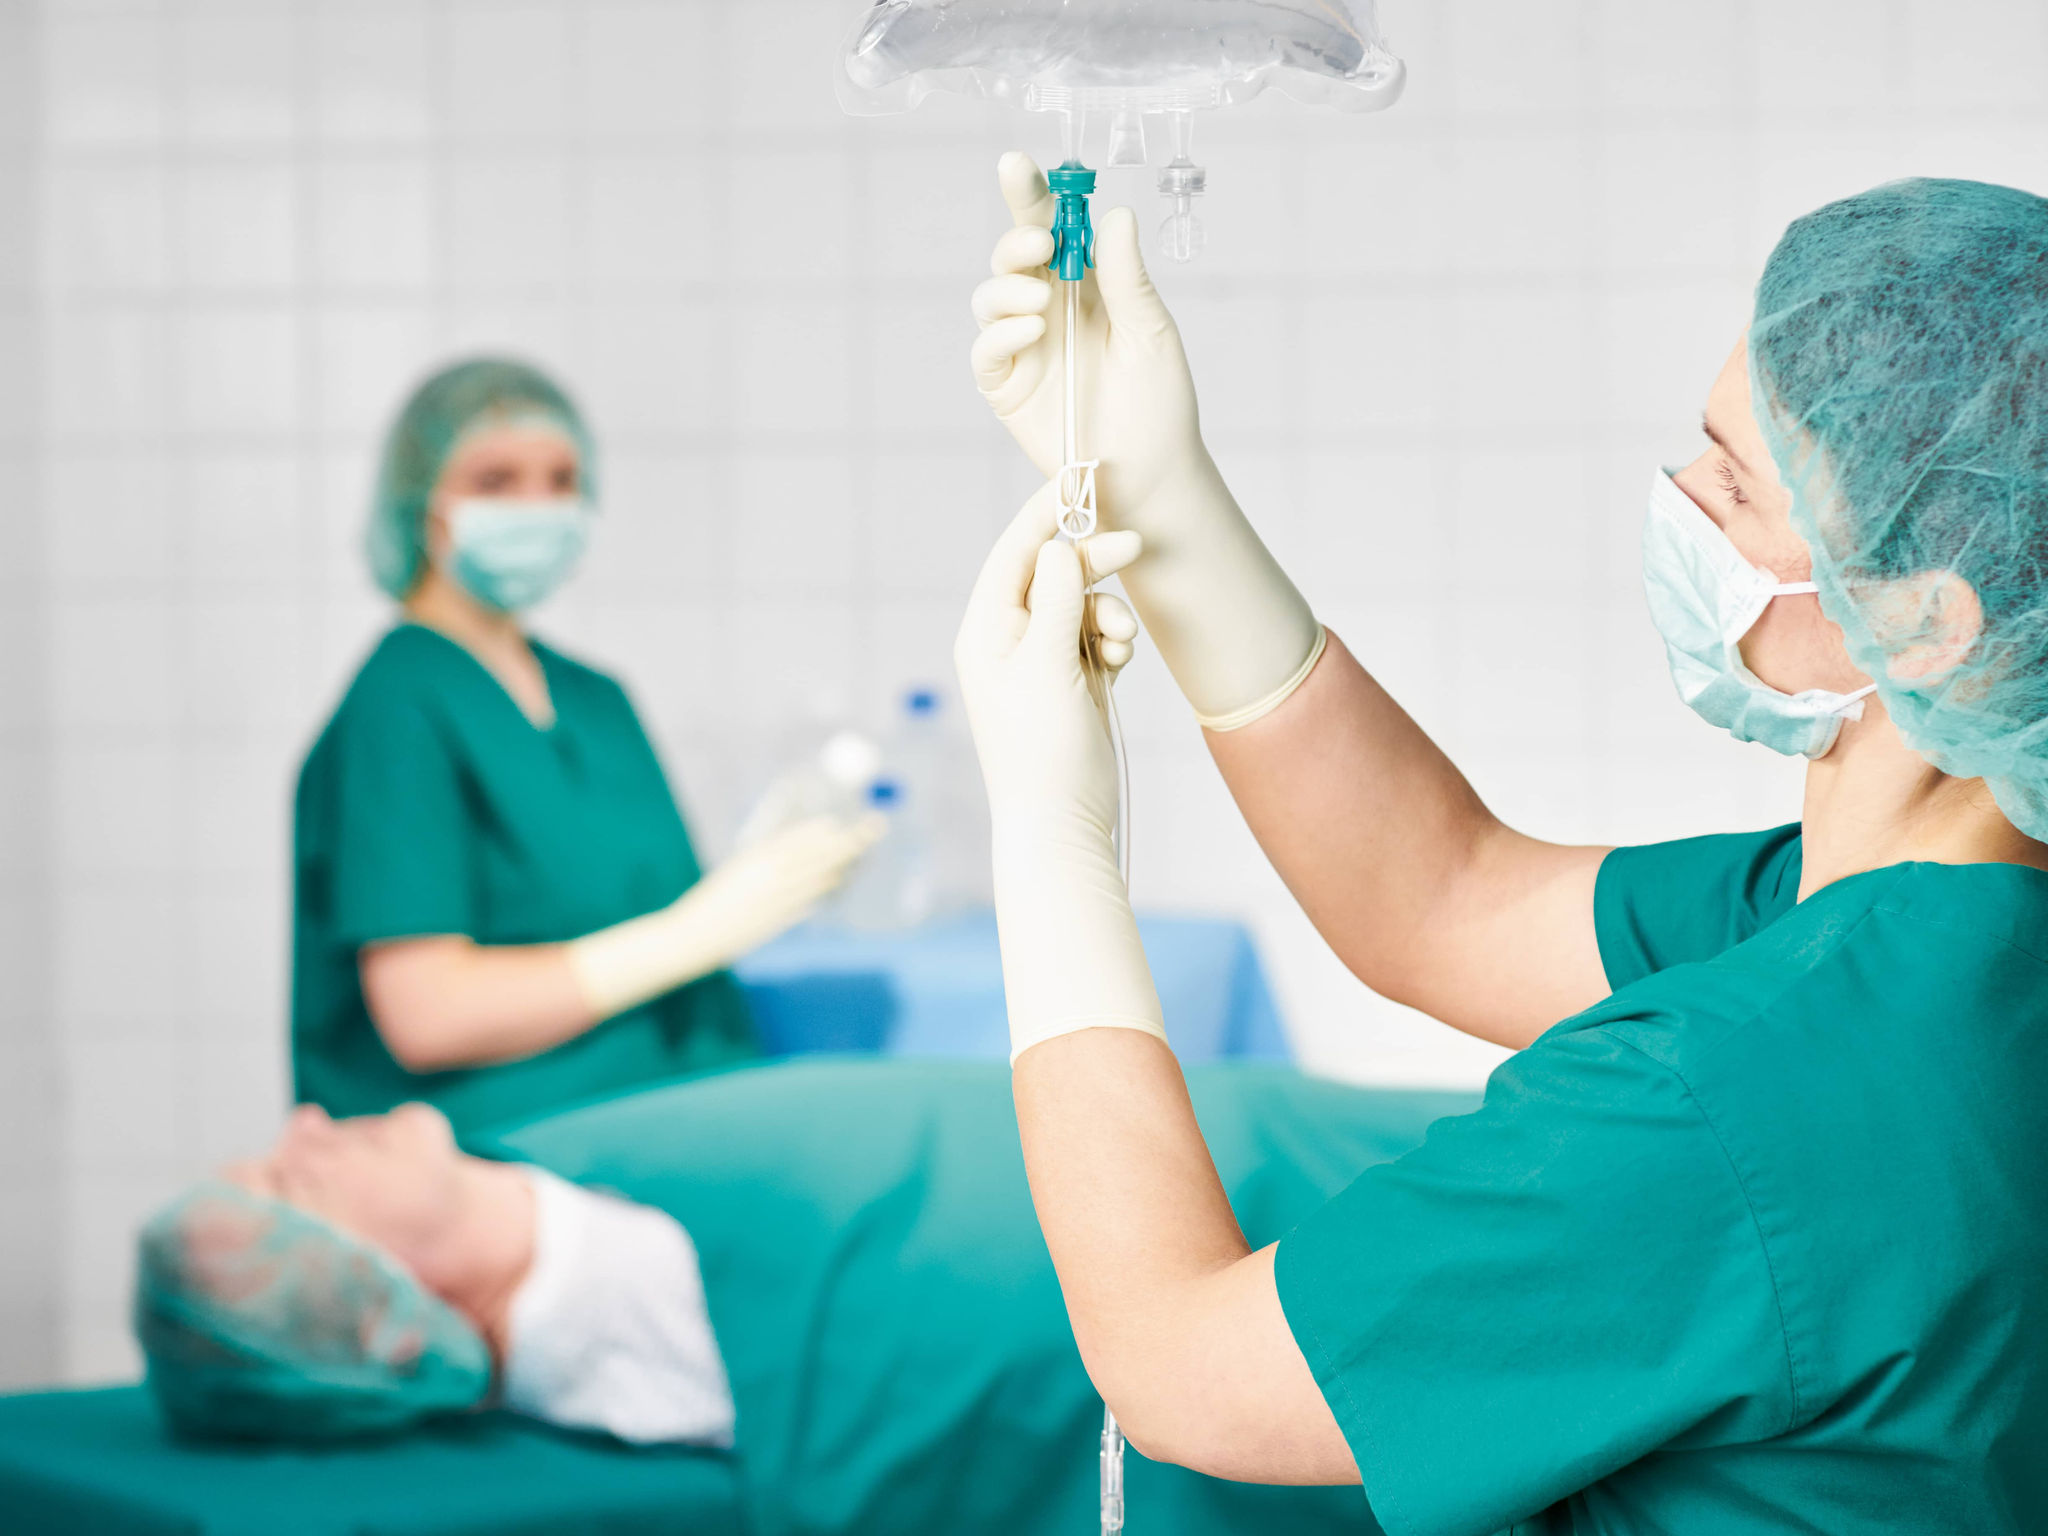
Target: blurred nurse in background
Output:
{"points": [[498, 907]]}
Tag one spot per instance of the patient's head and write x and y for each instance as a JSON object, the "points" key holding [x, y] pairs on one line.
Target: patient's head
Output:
{"points": [[289, 1298], [393, 1180]]}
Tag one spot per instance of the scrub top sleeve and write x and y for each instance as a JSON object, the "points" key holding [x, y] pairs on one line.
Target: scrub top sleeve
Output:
{"points": [[402, 829], [1546, 1290], [1677, 903]]}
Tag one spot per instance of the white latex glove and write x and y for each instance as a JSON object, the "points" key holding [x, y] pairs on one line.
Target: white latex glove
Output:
{"points": [[1138, 395], [1231, 627], [756, 894], [1071, 955]]}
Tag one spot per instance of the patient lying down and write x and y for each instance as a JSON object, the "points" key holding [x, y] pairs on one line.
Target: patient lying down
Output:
{"points": [[887, 1345], [366, 1273]]}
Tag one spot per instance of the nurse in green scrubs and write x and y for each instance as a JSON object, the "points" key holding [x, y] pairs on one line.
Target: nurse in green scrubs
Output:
{"points": [[1756, 1239], [497, 906]]}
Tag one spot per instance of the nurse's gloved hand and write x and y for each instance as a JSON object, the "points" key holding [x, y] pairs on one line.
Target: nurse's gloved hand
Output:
{"points": [[1141, 420], [1230, 626], [1034, 700], [1071, 956], [756, 894]]}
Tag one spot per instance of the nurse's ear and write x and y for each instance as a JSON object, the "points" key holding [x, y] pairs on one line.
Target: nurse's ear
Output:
{"points": [[1927, 624], [438, 537]]}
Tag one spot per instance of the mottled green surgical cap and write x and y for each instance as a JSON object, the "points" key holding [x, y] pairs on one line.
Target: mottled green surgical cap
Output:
{"points": [[1899, 365], [440, 413], [260, 1321]]}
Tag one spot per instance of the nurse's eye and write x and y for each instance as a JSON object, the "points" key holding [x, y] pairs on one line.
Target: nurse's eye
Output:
{"points": [[1729, 484], [494, 478]]}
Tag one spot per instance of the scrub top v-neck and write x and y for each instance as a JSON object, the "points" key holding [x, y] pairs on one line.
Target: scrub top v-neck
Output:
{"points": [[1758, 1244], [432, 805]]}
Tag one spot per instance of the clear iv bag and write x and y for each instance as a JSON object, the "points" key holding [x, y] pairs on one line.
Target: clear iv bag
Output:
{"points": [[1143, 56]]}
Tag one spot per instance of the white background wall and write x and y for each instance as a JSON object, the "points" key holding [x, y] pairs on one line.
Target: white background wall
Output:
{"points": [[1440, 352], [32, 1143]]}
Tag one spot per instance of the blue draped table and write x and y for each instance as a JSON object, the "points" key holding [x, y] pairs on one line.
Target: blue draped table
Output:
{"points": [[938, 990]]}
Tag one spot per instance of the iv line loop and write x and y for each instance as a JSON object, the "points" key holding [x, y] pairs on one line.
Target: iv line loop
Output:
{"points": [[1077, 499]]}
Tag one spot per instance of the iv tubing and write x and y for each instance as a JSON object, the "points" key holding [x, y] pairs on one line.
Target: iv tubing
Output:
{"points": [[1071, 499], [1073, 255], [1070, 437]]}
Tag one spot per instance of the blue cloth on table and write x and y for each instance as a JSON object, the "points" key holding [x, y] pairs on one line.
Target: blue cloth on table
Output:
{"points": [[938, 990], [101, 1463]]}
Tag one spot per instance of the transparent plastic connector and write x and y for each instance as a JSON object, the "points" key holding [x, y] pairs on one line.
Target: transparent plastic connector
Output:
{"points": [[1181, 181], [1112, 1475], [1127, 141]]}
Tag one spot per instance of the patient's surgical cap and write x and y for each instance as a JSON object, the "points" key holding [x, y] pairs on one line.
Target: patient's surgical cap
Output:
{"points": [[1899, 361], [441, 412], [261, 1322]]}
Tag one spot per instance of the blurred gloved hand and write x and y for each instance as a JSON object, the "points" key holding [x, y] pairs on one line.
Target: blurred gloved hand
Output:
{"points": [[1231, 627], [753, 896], [1071, 956]]}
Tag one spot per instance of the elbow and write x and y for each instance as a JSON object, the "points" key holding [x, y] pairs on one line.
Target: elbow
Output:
{"points": [[1149, 1410], [1237, 1439], [412, 991], [413, 1043], [1143, 1433], [1157, 1431], [414, 1030]]}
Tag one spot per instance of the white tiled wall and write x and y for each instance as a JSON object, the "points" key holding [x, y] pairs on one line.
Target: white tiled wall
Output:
{"points": [[1440, 352], [32, 1125]]}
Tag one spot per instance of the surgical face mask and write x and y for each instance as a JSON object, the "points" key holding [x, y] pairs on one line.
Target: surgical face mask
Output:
{"points": [[1704, 597], [510, 554]]}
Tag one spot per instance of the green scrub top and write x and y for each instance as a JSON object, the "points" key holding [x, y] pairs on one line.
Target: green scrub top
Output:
{"points": [[431, 805], [1758, 1244]]}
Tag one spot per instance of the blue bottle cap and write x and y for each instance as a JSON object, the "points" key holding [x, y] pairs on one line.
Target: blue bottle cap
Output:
{"points": [[921, 701], [884, 793]]}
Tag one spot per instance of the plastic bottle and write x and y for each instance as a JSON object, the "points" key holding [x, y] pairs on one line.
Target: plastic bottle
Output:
{"points": [[892, 888], [933, 757], [833, 779], [916, 754]]}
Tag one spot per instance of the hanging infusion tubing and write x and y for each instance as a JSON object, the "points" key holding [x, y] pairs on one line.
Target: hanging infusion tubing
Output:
{"points": [[1073, 254]]}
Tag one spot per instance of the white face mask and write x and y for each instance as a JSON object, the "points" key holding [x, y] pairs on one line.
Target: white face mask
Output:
{"points": [[509, 553], [1704, 597]]}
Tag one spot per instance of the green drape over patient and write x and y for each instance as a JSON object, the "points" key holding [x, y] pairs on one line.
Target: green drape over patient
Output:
{"points": [[898, 1349]]}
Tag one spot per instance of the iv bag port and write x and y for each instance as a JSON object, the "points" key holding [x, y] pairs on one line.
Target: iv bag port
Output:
{"points": [[1126, 141]]}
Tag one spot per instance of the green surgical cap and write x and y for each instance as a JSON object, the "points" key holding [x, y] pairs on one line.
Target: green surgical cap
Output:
{"points": [[437, 417], [261, 1322], [1899, 363]]}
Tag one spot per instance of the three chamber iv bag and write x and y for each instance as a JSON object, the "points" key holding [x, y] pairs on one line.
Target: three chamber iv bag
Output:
{"points": [[1128, 61]]}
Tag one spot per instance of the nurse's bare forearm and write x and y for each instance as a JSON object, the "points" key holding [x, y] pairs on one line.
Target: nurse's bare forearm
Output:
{"points": [[1425, 894], [444, 1002], [1178, 1321]]}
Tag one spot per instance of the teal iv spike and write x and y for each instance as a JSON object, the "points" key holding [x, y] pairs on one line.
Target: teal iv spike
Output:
{"points": [[1073, 236]]}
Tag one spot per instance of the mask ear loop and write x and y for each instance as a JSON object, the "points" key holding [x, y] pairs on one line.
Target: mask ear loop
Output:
{"points": [[1851, 707]]}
